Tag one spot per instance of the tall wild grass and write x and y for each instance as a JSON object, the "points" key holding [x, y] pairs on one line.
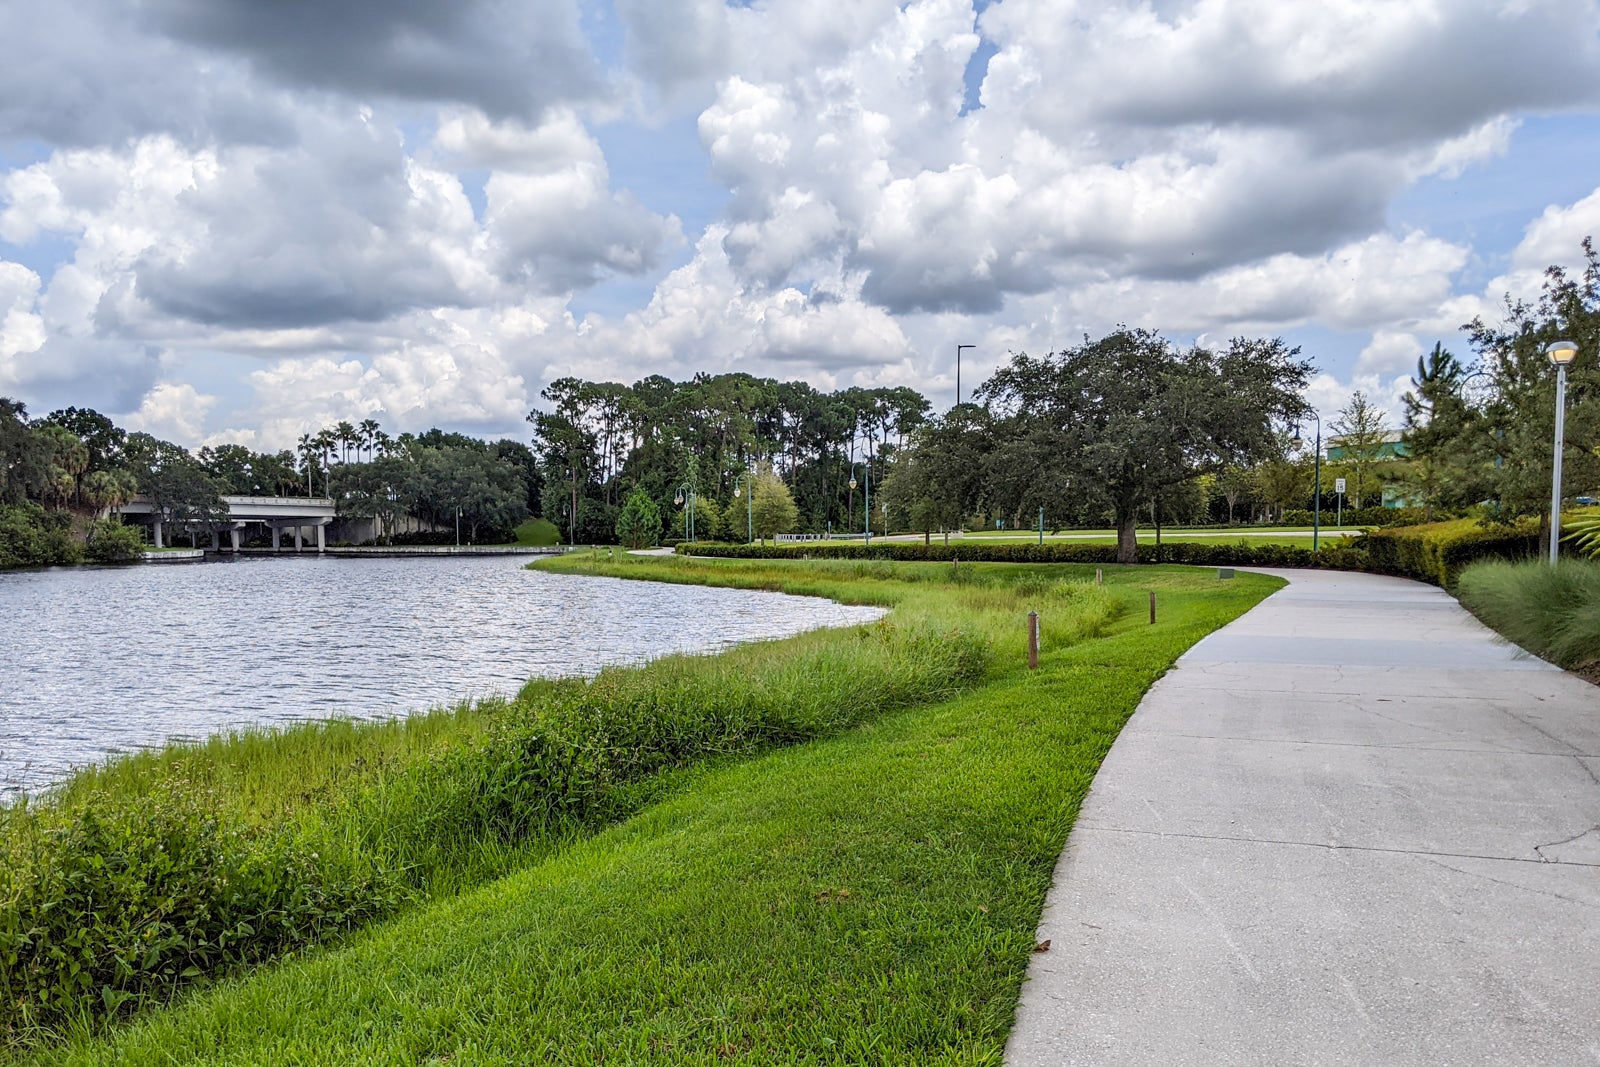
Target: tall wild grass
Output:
{"points": [[1552, 611]]}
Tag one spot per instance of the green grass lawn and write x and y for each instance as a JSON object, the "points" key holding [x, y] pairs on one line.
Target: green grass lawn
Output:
{"points": [[867, 897]]}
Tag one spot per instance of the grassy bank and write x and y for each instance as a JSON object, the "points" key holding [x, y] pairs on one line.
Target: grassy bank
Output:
{"points": [[869, 896], [1553, 612], [167, 868]]}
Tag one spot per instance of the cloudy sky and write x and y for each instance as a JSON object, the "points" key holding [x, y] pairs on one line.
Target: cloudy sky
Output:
{"points": [[237, 220]]}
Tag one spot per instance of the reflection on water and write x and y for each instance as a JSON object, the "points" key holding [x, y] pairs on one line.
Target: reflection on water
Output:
{"points": [[100, 660]]}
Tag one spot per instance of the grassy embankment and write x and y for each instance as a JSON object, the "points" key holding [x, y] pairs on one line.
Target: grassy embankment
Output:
{"points": [[866, 897]]}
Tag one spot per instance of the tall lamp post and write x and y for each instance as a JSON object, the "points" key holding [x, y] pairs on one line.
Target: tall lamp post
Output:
{"points": [[866, 505], [749, 506], [1316, 499], [958, 371], [1561, 353], [686, 493]]}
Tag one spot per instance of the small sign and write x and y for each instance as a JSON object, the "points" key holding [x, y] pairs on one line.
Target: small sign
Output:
{"points": [[1338, 486]]}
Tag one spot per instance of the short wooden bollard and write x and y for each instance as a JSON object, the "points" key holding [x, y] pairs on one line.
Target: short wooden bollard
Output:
{"points": [[1033, 640], [1099, 577], [1152, 607]]}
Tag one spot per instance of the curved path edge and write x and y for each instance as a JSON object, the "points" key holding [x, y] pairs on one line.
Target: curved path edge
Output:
{"points": [[1354, 826]]}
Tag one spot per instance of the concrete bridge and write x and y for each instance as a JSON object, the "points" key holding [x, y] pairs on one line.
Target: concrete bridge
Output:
{"points": [[298, 514]]}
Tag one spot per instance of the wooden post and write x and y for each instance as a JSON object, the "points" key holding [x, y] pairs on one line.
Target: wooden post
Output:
{"points": [[1152, 607], [1099, 577], [1033, 640]]}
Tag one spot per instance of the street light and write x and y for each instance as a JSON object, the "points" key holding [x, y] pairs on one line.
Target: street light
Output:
{"points": [[686, 492], [1561, 353], [958, 371], [866, 503], [1316, 500], [749, 507], [458, 526]]}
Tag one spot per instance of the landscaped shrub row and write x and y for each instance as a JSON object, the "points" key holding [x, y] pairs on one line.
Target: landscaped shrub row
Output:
{"points": [[111, 898], [1439, 551], [1434, 553], [980, 552], [1357, 516]]}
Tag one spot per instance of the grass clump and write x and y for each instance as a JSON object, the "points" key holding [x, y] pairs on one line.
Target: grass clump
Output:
{"points": [[1552, 611], [867, 897]]}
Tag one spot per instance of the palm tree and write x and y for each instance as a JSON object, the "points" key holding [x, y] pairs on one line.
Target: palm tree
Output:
{"points": [[369, 435], [346, 435]]}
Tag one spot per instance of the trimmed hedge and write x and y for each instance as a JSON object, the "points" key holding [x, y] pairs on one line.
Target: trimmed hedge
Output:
{"points": [[1239, 555], [1439, 551], [1434, 553], [1358, 516]]}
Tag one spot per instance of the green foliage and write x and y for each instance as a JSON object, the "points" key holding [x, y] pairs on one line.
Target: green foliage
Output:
{"points": [[1506, 440], [639, 523], [1115, 422], [540, 533], [1553, 612], [1238, 554], [1583, 530], [1373, 516], [112, 542], [1361, 431], [33, 537], [774, 507], [1438, 552], [106, 906]]}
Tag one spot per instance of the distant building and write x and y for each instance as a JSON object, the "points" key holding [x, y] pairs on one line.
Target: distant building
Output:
{"points": [[1393, 447]]}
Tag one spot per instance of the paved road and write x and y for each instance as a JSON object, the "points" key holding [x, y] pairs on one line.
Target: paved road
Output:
{"points": [[1353, 827]]}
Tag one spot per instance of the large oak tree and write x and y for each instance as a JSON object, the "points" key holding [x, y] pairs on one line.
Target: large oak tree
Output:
{"points": [[1113, 422]]}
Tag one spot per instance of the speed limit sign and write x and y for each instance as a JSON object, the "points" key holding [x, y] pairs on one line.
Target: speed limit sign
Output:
{"points": [[1338, 485]]}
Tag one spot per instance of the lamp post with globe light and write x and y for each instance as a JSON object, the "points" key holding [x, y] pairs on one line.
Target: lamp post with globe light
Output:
{"points": [[866, 506], [686, 493], [1561, 353], [749, 506]]}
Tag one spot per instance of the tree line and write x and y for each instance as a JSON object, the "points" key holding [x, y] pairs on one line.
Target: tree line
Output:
{"points": [[1119, 430]]}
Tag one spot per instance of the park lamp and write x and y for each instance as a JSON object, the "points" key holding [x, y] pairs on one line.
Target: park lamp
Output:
{"points": [[1561, 353]]}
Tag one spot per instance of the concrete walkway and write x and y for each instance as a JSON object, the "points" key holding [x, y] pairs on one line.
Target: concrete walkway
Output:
{"points": [[1353, 827]]}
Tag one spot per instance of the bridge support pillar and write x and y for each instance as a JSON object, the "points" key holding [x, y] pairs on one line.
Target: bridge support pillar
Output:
{"points": [[216, 540], [233, 539], [297, 538], [158, 535], [277, 535], [321, 542]]}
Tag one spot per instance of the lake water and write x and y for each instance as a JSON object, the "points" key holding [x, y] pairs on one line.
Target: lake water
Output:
{"points": [[95, 661]]}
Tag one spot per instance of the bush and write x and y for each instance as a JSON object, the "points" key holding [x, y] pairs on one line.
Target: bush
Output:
{"points": [[1358, 516], [33, 537], [1553, 612], [112, 542], [1438, 552], [1236, 555], [109, 904]]}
